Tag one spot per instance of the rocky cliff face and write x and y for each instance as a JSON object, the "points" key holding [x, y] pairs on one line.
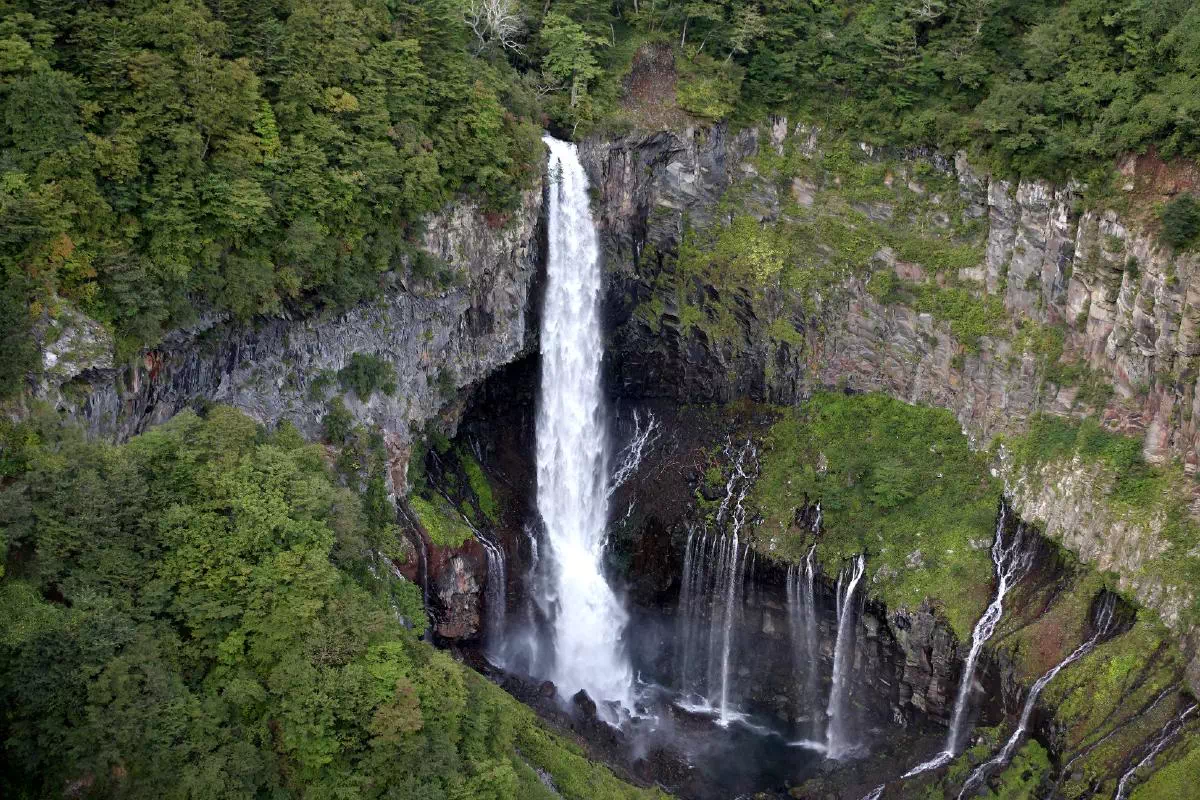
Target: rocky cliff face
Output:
{"points": [[440, 333], [1047, 260], [1118, 306]]}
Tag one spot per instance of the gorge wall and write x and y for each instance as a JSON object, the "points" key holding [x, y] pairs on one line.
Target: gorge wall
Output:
{"points": [[1057, 285]]}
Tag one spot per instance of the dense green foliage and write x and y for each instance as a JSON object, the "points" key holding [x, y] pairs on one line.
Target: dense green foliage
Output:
{"points": [[896, 482], [1181, 221], [199, 613], [240, 155], [1042, 86], [244, 157], [365, 374]]}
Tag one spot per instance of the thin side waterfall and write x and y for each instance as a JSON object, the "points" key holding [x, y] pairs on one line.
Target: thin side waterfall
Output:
{"points": [[630, 458], [520, 650], [837, 730], [1167, 735], [494, 600], [1012, 558], [712, 589], [1104, 623], [572, 462], [734, 573], [1086, 751], [802, 614], [689, 610]]}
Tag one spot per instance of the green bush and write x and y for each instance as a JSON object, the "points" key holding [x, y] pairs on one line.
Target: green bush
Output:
{"points": [[706, 87], [1181, 222], [338, 422], [365, 374]]}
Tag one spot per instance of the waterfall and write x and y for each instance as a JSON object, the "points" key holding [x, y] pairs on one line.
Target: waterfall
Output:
{"points": [[732, 573], [1103, 625], [1012, 559], [837, 731], [711, 593], [802, 614], [875, 793], [494, 600], [572, 469], [1164, 738]]}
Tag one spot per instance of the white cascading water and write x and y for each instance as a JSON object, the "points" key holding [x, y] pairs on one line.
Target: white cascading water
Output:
{"points": [[733, 572], [1167, 735], [1103, 624], [572, 464], [494, 600], [802, 613], [630, 459], [1087, 751], [837, 730], [710, 597], [1012, 559]]}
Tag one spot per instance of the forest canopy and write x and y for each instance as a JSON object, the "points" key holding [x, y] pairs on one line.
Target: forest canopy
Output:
{"points": [[204, 613], [160, 159]]}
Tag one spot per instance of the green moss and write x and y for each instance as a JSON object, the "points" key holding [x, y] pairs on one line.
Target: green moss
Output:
{"points": [[691, 317], [1022, 778], [969, 315], [651, 311], [898, 479], [936, 254], [1177, 779], [782, 330], [441, 521], [480, 487]]}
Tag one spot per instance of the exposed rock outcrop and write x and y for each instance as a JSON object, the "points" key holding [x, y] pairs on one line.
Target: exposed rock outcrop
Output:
{"points": [[439, 333]]}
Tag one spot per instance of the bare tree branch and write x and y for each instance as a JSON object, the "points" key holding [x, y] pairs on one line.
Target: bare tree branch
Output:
{"points": [[495, 22]]}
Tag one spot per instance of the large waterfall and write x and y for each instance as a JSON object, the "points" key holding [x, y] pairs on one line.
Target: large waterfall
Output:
{"points": [[838, 728], [1012, 558], [572, 463]]}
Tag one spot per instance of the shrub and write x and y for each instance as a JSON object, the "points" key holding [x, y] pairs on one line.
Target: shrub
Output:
{"points": [[1181, 222], [338, 422], [366, 374]]}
